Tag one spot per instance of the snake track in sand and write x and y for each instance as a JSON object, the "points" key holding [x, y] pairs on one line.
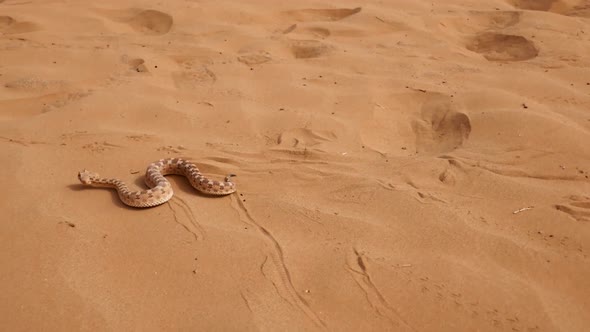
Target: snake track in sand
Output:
{"points": [[160, 189]]}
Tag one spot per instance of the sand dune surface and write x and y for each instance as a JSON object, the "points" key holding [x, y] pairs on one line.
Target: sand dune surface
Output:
{"points": [[401, 165]]}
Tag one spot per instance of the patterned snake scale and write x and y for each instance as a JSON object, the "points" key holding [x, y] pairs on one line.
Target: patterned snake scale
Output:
{"points": [[161, 190]]}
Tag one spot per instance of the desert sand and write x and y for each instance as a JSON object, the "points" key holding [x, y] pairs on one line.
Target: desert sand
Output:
{"points": [[401, 165]]}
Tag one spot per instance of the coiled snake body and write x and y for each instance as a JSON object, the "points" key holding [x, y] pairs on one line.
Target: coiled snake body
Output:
{"points": [[160, 191]]}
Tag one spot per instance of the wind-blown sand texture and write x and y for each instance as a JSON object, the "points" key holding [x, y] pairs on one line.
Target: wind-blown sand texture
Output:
{"points": [[402, 165]]}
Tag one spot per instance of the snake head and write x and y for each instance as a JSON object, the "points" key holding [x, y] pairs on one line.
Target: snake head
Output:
{"points": [[86, 177]]}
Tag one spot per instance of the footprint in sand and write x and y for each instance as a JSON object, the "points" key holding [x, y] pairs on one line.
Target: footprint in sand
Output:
{"points": [[478, 21], [582, 9], [194, 78], [501, 47], [309, 15], [149, 21], [135, 64], [152, 22], [34, 84], [355, 194], [9, 25], [318, 32], [505, 19], [495, 19], [47, 96], [313, 31], [447, 177], [99, 147], [441, 129], [303, 137], [578, 208], [544, 5], [305, 49], [138, 65], [255, 58], [6, 21], [453, 172]]}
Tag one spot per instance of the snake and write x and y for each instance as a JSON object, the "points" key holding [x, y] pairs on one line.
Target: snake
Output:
{"points": [[160, 190]]}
